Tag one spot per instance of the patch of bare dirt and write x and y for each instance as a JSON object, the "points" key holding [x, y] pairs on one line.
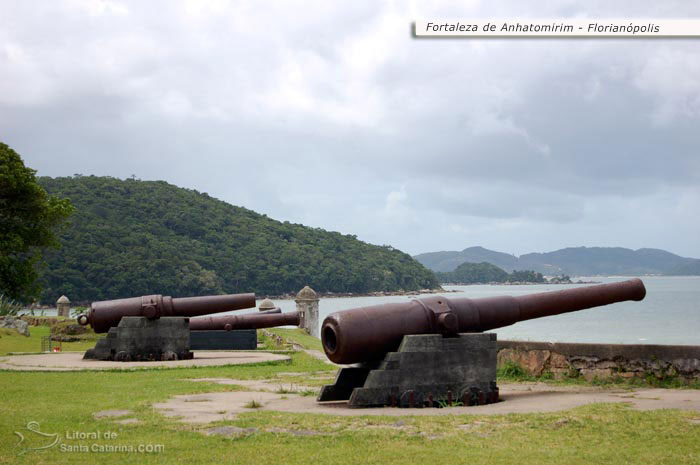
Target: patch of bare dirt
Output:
{"points": [[111, 413], [517, 398]]}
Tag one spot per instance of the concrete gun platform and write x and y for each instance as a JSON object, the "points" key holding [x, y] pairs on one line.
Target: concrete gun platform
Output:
{"points": [[73, 361]]}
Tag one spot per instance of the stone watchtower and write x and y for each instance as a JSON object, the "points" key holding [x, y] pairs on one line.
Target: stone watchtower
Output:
{"points": [[63, 306], [266, 305], [307, 306]]}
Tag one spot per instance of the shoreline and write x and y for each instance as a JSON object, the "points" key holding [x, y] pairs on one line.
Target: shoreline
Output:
{"points": [[340, 295], [520, 283]]}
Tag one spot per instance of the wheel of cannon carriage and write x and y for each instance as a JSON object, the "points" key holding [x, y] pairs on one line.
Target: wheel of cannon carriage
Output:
{"points": [[411, 399], [120, 357], [472, 396], [168, 355], [493, 395]]}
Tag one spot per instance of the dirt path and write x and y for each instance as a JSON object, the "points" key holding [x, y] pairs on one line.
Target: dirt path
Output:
{"points": [[517, 398], [72, 361]]}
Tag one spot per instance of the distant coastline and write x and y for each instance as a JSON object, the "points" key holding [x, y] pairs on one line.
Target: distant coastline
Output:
{"points": [[334, 295], [523, 283]]}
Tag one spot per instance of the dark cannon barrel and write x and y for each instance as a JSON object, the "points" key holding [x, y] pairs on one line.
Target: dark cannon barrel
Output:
{"points": [[107, 313], [247, 321], [367, 333]]}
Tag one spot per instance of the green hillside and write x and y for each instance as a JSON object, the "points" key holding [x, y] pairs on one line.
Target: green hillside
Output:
{"points": [[130, 237], [484, 273]]}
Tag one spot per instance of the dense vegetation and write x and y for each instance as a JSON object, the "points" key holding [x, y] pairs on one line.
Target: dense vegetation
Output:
{"points": [[576, 261], [28, 220], [483, 273], [130, 237]]}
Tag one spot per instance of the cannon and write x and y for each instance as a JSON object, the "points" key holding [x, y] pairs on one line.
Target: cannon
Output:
{"points": [[248, 321], [108, 313], [367, 333], [136, 330], [433, 346]]}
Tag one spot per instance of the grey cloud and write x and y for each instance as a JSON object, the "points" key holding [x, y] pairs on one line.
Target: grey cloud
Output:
{"points": [[333, 116]]}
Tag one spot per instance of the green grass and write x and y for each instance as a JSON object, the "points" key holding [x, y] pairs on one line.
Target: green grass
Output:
{"points": [[253, 404], [66, 401], [299, 336], [12, 341]]}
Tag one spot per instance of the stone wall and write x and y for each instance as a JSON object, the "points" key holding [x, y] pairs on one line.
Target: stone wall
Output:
{"points": [[602, 361], [39, 320]]}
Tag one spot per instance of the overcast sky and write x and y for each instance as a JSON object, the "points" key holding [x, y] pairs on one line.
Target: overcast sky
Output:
{"points": [[330, 114]]}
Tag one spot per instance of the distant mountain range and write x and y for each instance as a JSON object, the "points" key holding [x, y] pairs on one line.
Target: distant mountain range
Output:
{"points": [[574, 261]]}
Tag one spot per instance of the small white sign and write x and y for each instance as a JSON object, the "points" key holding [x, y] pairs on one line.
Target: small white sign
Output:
{"points": [[558, 27]]}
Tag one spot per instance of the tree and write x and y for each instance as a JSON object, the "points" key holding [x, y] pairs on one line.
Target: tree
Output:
{"points": [[28, 220], [131, 237]]}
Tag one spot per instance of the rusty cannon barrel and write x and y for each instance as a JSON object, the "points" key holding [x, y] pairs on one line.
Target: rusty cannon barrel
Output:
{"points": [[107, 313], [368, 333], [247, 321]]}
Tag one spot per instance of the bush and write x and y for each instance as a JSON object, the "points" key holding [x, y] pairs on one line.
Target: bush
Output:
{"points": [[8, 306], [512, 370]]}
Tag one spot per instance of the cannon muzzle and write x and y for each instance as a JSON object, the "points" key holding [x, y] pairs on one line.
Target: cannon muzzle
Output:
{"points": [[247, 321], [107, 313], [367, 333]]}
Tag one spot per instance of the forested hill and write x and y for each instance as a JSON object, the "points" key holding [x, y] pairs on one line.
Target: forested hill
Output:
{"points": [[130, 238]]}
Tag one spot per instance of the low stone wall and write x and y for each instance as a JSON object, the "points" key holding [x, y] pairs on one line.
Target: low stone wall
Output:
{"points": [[602, 361], [39, 320]]}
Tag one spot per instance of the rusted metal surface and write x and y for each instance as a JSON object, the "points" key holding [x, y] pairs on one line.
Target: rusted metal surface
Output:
{"points": [[107, 313], [270, 311], [367, 333], [247, 321]]}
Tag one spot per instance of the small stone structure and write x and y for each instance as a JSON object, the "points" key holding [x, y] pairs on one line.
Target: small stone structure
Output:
{"points": [[141, 339], [63, 306], [266, 305], [426, 370], [307, 306], [15, 323], [602, 361]]}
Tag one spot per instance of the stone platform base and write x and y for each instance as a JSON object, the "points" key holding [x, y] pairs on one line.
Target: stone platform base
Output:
{"points": [[239, 339], [138, 338], [427, 370]]}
